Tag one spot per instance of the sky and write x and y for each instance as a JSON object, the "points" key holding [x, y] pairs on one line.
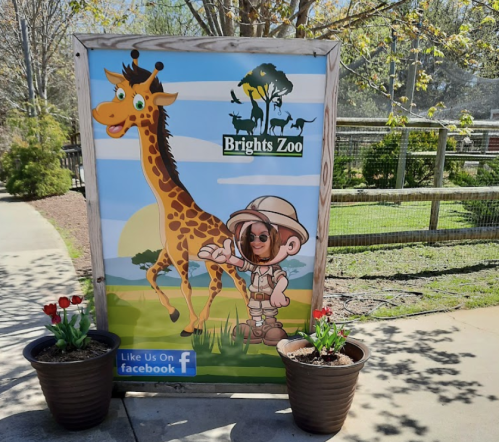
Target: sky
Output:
{"points": [[197, 121]]}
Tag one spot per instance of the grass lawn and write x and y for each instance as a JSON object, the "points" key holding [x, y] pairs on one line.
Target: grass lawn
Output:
{"points": [[448, 274]]}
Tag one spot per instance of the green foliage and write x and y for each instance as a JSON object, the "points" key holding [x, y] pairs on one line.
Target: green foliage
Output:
{"points": [[229, 347], [31, 169], [380, 160], [327, 335], [484, 213], [145, 260], [343, 176], [203, 343], [69, 334]]}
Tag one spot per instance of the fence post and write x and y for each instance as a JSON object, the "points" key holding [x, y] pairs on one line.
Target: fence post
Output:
{"points": [[404, 143], [438, 179]]}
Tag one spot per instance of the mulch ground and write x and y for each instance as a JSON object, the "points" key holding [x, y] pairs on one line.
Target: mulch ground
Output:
{"points": [[69, 212]]}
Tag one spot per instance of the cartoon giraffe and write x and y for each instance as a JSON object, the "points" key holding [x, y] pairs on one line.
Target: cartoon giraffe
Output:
{"points": [[185, 227], [256, 112]]}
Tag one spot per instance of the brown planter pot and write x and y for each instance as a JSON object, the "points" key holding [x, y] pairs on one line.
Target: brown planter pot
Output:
{"points": [[78, 393], [320, 396]]}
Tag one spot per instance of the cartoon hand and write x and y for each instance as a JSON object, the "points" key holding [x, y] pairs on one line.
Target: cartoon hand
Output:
{"points": [[278, 299], [217, 254]]}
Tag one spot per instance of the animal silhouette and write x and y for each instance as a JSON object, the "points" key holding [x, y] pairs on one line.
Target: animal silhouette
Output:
{"points": [[300, 122], [239, 124], [234, 98], [256, 112], [278, 104], [277, 122], [184, 226]]}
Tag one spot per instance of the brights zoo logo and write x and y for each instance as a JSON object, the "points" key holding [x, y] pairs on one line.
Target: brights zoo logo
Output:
{"points": [[257, 132]]}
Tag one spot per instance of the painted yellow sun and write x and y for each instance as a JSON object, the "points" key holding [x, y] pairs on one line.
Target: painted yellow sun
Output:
{"points": [[259, 92], [141, 232]]}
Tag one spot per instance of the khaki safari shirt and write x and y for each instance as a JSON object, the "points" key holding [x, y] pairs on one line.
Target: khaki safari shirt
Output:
{"points": [[260, 278]]}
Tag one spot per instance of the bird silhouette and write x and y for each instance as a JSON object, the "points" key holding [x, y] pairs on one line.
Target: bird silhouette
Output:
{"points": [[234, 98]]}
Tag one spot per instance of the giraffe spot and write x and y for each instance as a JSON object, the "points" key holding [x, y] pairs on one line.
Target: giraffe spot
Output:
{"points": [[166, 187], [203, 227], [154, 271], [185, 199], [180, 237], [215, 279], [132, 118], [191, 223], [204, 216], [191, 213], [155, 171], [152, 149], [214, 232], [149, 158], [199, 234], [185, 230], [182, 217], [149, 108], [185, 265], [165, 262], [170, 216], [177, 206], [147, 132], [179, 245], [148, 115], [155, 114], [152, 139], [184, 272], [147, 97], [141, 115], [172, 194], [191, 236], [174, 225], [214, 267], [219, 285]]}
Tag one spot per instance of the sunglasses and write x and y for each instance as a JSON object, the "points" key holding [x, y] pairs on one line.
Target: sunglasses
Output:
{"points": [[262, 238]]}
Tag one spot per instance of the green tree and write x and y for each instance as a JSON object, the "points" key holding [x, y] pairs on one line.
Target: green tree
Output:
{"points": [[291, 266], [31, 168], [269, 83], [145, 260]]}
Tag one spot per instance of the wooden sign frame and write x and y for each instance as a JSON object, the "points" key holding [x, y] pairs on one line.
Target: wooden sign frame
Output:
{"points": [[83, 43]]}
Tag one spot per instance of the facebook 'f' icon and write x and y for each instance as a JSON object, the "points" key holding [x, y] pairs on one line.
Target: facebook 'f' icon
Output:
{"points": [[184, 360]]}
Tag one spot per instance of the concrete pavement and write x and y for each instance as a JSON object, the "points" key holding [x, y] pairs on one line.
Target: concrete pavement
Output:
{"points": [[430, 379]]}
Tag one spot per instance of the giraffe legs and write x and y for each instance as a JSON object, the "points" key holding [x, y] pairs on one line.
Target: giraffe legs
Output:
{"points": [[152, 274], [180, 259], [240, 284], [215, 272]]}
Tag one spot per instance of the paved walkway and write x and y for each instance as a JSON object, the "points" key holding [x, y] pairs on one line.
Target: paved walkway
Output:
{"points": [[430, 379]]}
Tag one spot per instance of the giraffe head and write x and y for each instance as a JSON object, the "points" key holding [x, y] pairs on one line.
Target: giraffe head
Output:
{"points": [[138, 100]]}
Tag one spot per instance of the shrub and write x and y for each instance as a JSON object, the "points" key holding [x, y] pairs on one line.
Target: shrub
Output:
{"points": [[342, 176], [380, 160], [484, 213], [31, 168]]}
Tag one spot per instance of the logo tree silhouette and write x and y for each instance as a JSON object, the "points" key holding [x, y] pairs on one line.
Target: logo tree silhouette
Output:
{"points": [[269, 83]]}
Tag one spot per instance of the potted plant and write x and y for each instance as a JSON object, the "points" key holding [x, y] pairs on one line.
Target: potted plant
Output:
{"points": [[321, 374], [74, 366]]}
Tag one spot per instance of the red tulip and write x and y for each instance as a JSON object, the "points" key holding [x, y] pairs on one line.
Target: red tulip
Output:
{"points": [[56, 319], [317, 314], [50, 309], [64, 302], [327, 311], [75, 300]]}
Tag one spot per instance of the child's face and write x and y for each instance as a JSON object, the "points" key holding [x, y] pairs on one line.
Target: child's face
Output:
{"points": [[259, 237]]}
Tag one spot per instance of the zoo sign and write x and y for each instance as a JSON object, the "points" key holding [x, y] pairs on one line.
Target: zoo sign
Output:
{"points": [[208, 165]]}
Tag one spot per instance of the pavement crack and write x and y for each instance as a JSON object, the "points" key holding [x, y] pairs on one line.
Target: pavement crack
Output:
{"points": [[129, 420]]}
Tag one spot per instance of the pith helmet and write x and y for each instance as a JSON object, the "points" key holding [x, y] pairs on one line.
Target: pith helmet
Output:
{"points": [[270, 209]]}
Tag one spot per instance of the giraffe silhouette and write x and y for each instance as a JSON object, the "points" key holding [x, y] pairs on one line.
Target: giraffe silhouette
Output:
{"points": [[184, 226], [256, 112]]}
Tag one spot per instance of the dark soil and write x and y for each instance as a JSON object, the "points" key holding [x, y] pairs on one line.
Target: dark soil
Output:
{"points": [[308, 355], [69, 212], [54, 354]]}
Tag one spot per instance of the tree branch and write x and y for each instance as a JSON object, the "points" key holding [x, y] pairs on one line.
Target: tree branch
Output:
{"points": [[198, 18]]}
